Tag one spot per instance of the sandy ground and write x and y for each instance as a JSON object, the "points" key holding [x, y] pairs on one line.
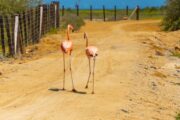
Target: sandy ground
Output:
{"points": [[136, 76]]}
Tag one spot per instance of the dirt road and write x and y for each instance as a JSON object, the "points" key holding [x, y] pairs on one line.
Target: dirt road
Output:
{"points": [[136, 78]]}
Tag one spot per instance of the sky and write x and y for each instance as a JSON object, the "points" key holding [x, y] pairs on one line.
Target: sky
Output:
{"points": [[84, 4]]}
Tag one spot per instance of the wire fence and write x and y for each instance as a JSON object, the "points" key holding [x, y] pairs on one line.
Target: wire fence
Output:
{"points": [[26, 28], [112, 14]]}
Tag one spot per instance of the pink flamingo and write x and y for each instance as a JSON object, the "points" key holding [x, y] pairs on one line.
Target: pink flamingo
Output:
{"points": [[67, 48], [91, 52]]}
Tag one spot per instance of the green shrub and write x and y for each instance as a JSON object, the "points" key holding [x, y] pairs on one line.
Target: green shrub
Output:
{"points": [[72, 19], [178, 117], [15, 6], [53, 31], [171, 21]]}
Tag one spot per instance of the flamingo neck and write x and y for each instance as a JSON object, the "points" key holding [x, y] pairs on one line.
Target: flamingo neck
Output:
{"points": [[87, 43], [68, 37]]}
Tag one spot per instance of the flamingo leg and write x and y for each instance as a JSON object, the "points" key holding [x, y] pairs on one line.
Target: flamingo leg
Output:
{"points": [[64, 70], [73, 88], [89, 73], [93, 74]]}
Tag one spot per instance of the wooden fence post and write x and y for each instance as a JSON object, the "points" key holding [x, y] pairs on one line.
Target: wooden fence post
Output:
{"points": [[104, 13], [12, 33], [8, 35], [77, 9], [127, 10], [48, 18], [37, 24], [2, 35], [63, 10], [58, 15], [51, 15], [40, 21], [28, 26], [55, 15], [32, 25], [16, 26], [45, 19], [21, 26], [20, 35], [25, 28], [115, 13], [137, 13], [91, 12]]}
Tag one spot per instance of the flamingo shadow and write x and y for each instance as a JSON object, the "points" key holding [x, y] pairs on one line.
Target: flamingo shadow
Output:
{"points": [[78, 92], [55, 89]]}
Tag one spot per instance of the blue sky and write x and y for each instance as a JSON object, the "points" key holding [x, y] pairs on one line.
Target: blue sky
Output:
{"points": [[110, 3]]}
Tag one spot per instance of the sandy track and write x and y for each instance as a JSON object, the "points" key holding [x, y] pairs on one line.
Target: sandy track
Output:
{"points": [[126, 87]]}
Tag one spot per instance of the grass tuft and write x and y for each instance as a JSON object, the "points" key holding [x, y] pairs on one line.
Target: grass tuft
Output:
{"points": [[178, 116], [72, 19], [176, 54]]}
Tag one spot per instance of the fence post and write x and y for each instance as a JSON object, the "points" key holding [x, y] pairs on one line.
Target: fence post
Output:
{"points": [[127, 10], [20, 35], [51, 15], [104, 13], [37, 24], [28, 27], [55, 15], [45, 18], [16, 26], [58, 14], [115, 13], [63, 10], [8, 35], [137, 13], [12, 33], [21, 25], [91, 12], [2, 35], [32, 25], [77, 9], [25, 28], [40, 21], [48, 18]]}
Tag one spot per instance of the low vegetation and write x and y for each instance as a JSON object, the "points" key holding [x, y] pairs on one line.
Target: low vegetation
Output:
{"points": [[178, 117], [76, 21], [176, 54], [171, 21], [15, 6]]}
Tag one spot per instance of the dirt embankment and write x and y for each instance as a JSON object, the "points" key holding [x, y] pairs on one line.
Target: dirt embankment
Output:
{"points": [[136, 78]]}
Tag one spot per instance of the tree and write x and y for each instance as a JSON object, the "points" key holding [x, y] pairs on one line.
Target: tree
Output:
{"points": [[14, 6], [171, 21]]}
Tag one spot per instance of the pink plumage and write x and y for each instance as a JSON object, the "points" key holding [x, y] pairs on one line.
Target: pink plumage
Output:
{"points": [[91, 51], [67, 46]]}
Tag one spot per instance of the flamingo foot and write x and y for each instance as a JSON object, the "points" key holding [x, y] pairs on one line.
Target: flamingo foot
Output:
{"points": [[63, 89], [93, 92], [74, 90], [86, 87]]}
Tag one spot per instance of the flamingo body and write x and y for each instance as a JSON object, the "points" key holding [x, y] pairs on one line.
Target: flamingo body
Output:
{"points": [[67, 47], [91, 51]]}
